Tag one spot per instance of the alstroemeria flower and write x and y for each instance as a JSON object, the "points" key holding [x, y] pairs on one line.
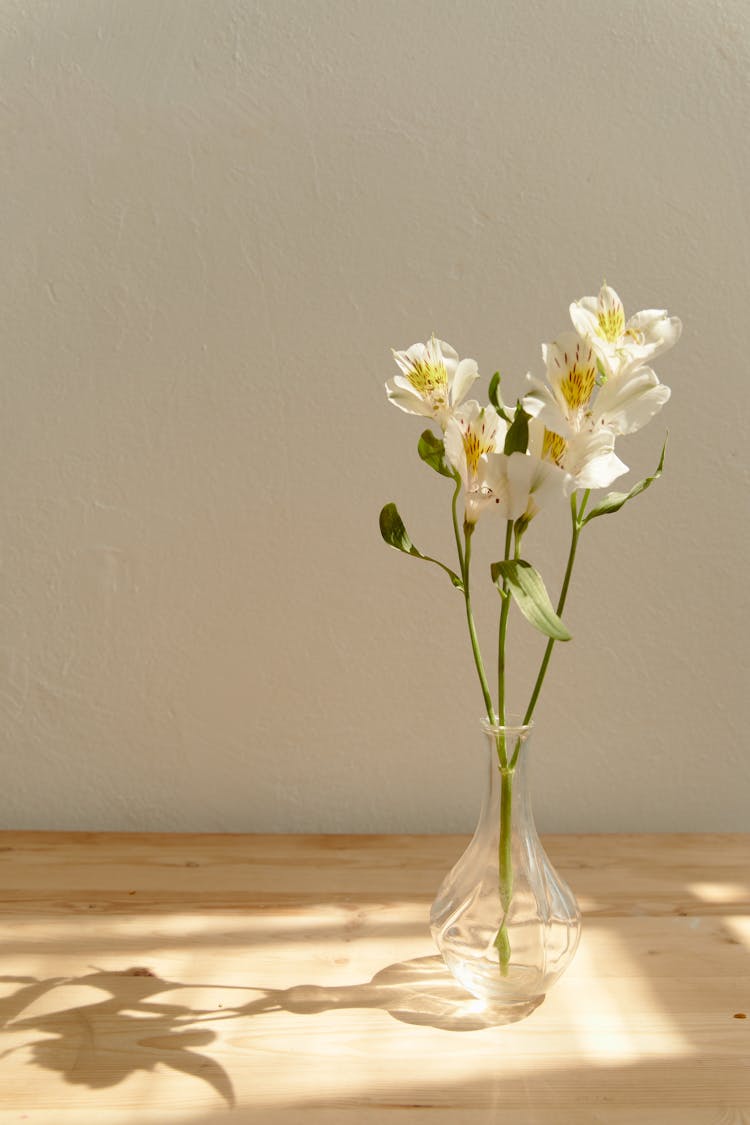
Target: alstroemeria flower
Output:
{"points": [[433, 380], [588, 456], [520, 484], [472, 432], [623, 404], [620, 345], [579, 425], [515, 484]]}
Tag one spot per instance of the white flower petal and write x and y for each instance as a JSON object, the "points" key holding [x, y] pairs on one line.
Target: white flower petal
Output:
{"points": [[440, 351], [536, 436], [601, 471], [454, 449], [537, 397], [406, 359], [626, 404], [542, 405], [407, 400], [585, 316], [551, 484], [467, 414], [608, 300], [405, 385], [494, 488], [465, 375], [520, 471], [646, 319], [591, 459], [658, 330], [532, 483], [484, 419]]}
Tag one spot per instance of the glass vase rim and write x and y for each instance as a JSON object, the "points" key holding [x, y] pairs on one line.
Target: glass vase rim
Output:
{"points": [[516, 726]]}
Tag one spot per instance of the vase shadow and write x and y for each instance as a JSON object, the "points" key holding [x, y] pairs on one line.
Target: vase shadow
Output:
{"points": [[420, 991]]}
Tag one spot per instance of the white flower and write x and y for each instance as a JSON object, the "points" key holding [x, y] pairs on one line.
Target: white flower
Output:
{"points": [[519, 484], [579, 429], [623, 404], [588, 457], [619, 345], [630, 401], [433, 380], [472, 433], [515, 484], [571, 382]]}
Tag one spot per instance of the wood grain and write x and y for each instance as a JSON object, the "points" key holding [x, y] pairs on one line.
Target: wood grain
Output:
{"points": [[290, 979]]}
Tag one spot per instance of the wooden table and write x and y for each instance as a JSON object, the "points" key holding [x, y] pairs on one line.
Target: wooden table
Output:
{"points": [[291, 980]]}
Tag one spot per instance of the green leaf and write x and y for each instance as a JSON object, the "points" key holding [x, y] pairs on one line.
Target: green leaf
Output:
{"points": [[530, 595], [613, 501], [494, 396], [395, 534], [517, 437], [431, 449], [492, 392]]}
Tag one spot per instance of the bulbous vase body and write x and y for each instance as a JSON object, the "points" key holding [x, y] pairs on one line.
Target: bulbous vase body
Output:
{"points": [[506, 924]]}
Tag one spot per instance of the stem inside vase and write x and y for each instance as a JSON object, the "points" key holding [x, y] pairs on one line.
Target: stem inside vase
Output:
{"points": [[505, 854], [505, 866], [504, 921]]}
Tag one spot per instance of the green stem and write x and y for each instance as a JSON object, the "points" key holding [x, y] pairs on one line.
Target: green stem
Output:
{"points": [[456, 532], [576, 519], [468, 532], [504, 610], [505, 866], [504, 855]]}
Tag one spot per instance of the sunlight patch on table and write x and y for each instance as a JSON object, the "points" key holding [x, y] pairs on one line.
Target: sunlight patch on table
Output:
{"points": [[739, 927], [600, 1012], [720, 892]]}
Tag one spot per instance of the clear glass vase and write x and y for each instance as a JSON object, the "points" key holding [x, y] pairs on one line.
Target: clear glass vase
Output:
{"points": [[504, 921]]}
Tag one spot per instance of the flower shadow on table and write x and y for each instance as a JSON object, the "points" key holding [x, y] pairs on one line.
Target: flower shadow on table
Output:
{"points": [[102, 1043]]}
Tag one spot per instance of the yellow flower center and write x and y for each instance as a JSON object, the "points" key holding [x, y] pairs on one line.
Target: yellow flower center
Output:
{"points": [[478, 439], [476, 444], [579, 381], [427, 377], [611, 323], [553, 447], [636, 336]]}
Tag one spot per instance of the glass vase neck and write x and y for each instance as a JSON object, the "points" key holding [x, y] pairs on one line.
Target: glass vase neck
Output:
{"points": [[507, 740]]}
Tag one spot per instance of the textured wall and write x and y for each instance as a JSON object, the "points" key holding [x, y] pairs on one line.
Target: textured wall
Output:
{"points": [[216, 218]]}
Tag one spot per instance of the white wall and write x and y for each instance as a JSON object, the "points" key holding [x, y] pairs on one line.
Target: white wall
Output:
{"points": [[216, 218]]}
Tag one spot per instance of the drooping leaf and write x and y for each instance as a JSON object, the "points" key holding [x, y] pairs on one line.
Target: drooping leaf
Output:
{"points": [[431, 449], [517, 437], [613, 501], [494, 397], [395, 534], [530, 595]]}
